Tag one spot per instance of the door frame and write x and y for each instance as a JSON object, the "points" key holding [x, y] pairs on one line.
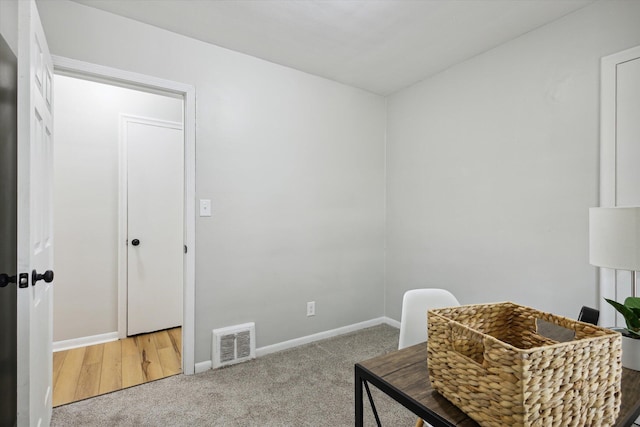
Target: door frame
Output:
{"points": [[612, 285], [114, 76]]}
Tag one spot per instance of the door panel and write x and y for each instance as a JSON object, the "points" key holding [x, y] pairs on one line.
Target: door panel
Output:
{"points": [[34, 241], [8, 233], [627, 153], [155, 220], [619, 154], [628, 133]]}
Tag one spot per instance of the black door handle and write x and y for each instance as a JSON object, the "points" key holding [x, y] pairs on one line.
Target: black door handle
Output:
{"points": [[47, 277], [135, 242], [23, 279], [5, 279]]}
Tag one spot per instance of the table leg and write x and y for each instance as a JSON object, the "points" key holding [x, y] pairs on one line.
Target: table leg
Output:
{"points": [[373, 405], [358, 399]]}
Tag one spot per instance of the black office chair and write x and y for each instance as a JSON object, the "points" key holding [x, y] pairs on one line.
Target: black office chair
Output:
{"points": [[589, 315]]}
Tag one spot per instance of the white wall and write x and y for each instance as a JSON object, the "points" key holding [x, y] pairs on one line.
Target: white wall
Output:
{"points": [[86, 199], [493, 163], [294, 165]]}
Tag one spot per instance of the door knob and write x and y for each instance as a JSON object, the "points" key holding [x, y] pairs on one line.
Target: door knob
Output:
{"points": [[22, 280], [5, 279], [47, 277], [135, 242]]}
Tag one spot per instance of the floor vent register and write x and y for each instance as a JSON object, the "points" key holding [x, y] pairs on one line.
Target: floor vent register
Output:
{"points": [[233, 344]]}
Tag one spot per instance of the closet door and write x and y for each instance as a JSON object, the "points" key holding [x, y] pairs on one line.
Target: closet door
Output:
{"points": [[155, 227], [619, 158], [628, 133]]}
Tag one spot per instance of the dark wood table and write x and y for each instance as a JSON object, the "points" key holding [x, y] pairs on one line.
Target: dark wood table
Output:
{"points": [[403, 376]]}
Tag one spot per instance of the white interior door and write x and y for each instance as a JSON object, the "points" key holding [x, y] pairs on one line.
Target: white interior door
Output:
{"points": [[35, 234], [620, 152], [628, 133], [155, 170]]}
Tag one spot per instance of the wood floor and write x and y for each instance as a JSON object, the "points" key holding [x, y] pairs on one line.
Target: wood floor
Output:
{"points": [[86, 372]]}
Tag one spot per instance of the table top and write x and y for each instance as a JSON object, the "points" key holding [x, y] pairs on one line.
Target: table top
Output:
{"points": [[406, 371]]}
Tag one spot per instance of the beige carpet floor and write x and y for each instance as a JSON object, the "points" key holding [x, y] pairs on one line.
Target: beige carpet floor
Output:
{"points": [[310, 385]]}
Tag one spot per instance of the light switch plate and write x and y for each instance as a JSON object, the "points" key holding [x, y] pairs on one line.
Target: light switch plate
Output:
{"points": [[205, 207]]}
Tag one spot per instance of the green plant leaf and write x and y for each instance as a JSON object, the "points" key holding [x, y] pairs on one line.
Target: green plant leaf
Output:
{"points": [[632, 319], [632, 302]]}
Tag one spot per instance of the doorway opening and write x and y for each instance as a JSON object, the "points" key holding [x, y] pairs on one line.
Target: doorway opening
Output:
{"points": [[107, 120]]}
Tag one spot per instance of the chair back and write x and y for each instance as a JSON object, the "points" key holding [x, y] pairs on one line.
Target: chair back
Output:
{"points": [[415, 303], [589, 315]]}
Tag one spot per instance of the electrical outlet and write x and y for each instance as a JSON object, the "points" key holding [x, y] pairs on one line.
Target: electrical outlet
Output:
{"points": [[311, 308]]}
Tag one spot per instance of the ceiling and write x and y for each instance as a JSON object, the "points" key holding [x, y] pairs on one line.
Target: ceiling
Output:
{"points": [[381, 46]]}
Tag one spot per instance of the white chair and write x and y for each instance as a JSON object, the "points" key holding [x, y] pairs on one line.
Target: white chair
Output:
{"points": [[413, 323], [415, 303]]}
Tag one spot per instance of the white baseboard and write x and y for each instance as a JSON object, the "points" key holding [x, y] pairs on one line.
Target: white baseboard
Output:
{"points": [[203, 366], [391, 322], [319, 336], [262, 351], [85, 341]]}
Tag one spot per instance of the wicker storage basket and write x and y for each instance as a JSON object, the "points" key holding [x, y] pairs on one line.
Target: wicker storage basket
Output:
{"points": [[490, 362]]}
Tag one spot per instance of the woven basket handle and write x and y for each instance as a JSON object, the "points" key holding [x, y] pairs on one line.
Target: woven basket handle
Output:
{"points": [[468, 343], [551, 326]]}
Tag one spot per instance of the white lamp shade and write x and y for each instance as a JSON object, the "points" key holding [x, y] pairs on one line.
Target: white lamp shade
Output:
{"points": [[614, 238]]}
